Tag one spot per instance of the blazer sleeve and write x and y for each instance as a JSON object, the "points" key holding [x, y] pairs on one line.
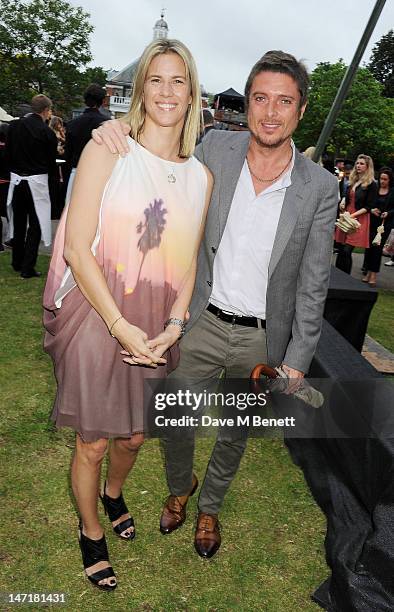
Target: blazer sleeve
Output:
{"points": [[203, 149], [390, 205], [312, 281], [370, 196]]}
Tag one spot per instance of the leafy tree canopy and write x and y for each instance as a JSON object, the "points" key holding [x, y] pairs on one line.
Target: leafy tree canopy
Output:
{"points": [[365, 123], [382, 63], [44, 46]]}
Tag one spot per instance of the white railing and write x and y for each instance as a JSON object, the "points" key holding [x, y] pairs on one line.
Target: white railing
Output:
{"points": [[119, 104]]}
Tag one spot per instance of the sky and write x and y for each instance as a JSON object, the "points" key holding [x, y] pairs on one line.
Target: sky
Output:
{"points": [[227, 37]]}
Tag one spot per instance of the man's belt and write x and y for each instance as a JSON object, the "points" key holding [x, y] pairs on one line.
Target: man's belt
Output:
{"points": [[235, 319]]}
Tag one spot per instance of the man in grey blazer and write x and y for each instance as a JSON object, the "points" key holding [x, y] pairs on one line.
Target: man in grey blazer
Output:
{"points": [[263, 270]]}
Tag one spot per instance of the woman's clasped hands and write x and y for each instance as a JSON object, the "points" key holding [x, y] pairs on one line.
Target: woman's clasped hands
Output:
{"points": [[138, 349]]}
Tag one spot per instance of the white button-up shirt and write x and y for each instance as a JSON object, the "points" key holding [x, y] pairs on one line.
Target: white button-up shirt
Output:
{"points": [[240, 271]]}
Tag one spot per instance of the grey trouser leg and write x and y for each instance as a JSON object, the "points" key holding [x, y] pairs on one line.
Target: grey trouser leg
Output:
{"points": [[211, 347]]}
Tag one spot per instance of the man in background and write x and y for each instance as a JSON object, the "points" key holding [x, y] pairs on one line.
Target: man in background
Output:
{"points": [[78, 130], [30, 156]]}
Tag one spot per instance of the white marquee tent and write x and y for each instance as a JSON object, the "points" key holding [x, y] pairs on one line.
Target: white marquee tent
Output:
{"points": [[5, 116]]}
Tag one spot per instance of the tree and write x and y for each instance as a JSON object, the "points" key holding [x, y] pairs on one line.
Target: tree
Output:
{"points": [[365, 122], [382, 63], [95, 75], [44, 44], [153, 228]]}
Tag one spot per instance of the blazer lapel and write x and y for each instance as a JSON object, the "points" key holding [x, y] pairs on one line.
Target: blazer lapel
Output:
{"points": [[230, 173], [292, 206]]}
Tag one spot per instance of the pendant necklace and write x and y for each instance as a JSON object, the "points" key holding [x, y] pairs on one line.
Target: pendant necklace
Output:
{"points": [[171, 178]]}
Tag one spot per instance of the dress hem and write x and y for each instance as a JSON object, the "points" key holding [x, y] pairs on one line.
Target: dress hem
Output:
{"points": [[94, 436]]}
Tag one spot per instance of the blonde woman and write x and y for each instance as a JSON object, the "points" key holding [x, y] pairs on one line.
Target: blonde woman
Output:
{"points": [[360, 199], [120, 283], [309, 153], [56, 124]]}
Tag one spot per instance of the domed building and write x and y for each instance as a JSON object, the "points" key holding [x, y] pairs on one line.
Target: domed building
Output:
{"points": [[161, 28], [120, 84]]}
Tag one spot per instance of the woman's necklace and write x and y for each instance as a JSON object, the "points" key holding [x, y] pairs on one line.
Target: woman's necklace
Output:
{"points": [[171, 178], [271, 180]]}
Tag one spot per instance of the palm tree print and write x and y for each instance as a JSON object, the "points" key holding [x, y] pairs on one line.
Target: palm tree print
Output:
{"points": [[153, 229]]}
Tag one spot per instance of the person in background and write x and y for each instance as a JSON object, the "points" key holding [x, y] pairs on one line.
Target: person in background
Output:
{"points": [[339, 168], [344, 181], [309, 153], [360, 199], [207, 122], [4, 181], [78, 131], [390, 262], [381, 213], [56, 182], [56, 124], [31, 148], [343, 189]]}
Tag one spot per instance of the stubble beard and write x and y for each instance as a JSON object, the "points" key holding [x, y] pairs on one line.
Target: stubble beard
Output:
{"points": [[269, 144]]}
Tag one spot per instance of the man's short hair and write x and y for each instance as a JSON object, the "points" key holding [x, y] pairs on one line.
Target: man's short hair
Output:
{"points": [[279, 61], [40, 103], [94, 95]]}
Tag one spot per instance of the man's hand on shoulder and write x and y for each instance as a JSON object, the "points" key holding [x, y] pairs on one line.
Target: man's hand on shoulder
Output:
{"points": [[113, 135]]}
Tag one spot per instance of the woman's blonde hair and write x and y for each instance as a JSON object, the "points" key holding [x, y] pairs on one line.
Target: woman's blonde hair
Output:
{"points": [[136, 115], [367, 177], [309, 153]]}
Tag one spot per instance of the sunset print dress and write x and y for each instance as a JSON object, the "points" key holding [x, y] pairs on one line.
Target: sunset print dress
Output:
{"points": [[150, 217]]}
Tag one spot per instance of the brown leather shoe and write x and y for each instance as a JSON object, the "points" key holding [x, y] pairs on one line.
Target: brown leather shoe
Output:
{"points": [[207, 539], [174, 512]]}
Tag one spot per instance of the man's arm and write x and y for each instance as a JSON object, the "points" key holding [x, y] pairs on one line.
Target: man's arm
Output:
{"points": [[312, 283], [51, 151], [9, 145]]}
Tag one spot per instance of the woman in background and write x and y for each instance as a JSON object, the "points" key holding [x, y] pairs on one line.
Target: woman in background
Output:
{"points": [[360, 199], [382, 212], [56, 124], [56, 181]]}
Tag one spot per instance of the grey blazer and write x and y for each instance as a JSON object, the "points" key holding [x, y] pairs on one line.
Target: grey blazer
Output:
{"points": [[299, 267]]}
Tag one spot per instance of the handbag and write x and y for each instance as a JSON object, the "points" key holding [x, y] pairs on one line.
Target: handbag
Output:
{"points": [[379, 232], [347, 224]]}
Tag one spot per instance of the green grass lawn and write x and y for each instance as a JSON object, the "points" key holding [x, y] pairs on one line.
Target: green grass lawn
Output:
{"points": [[381, 321], [272, 556]]}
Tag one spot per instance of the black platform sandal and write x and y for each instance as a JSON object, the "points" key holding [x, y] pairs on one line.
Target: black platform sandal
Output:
{"points": [[94, 551], [115, 508]]}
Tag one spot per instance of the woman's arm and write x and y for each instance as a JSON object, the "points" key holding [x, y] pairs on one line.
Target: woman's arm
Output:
{"points": [[369, 197], [179, 309], [94, 169], [358, 213]]}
